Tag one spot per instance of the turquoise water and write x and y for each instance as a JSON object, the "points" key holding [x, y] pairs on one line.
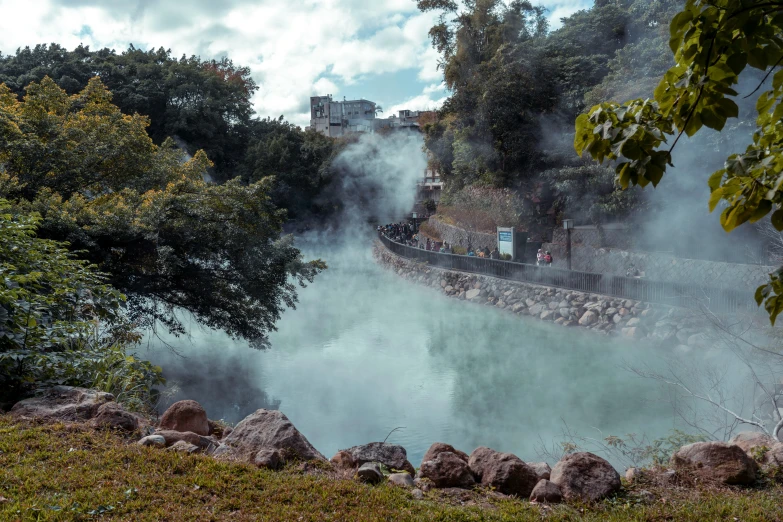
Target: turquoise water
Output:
{"points": [[366, 351]]}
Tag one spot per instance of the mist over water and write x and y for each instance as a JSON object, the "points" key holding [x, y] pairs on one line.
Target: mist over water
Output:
{"points": [[366, 352]]}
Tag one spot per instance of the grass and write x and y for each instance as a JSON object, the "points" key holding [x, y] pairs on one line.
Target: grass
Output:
{"points": [[57, 472]]}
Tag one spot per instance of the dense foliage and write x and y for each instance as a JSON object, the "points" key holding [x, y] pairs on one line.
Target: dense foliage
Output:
{"points": [[205, 103], [299, 161], [515, 88], [143, 214], [713, 42], [201, 104], [60, 323]]}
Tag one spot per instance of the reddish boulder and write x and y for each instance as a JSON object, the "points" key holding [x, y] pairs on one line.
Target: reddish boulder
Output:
{"points": [[186, 416], [343, 460], [447, 470], [585, 476], [546, 491], [505, 472], [726, 463], [440, 447]]}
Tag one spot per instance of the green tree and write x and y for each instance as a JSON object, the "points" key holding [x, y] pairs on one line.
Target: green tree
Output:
{"points": [[60, 322], [713, 42], [144, 215], [299, 161], [206, 103]]}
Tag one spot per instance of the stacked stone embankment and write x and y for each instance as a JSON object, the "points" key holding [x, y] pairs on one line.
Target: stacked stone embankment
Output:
{"points": [[603, 314]]}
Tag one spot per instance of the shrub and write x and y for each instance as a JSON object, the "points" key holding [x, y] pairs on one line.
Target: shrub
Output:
{"points": [[462, 251], [482, 208], [60, 323]]}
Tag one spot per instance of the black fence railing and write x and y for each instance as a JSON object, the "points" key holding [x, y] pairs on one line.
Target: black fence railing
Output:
{"points": [[718, 300]]}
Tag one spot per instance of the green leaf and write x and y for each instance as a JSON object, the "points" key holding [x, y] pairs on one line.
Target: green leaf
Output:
{"points": [[693, 125], [762, 210], [715, 179], [715, 197], [737, 62], [728, 108]]}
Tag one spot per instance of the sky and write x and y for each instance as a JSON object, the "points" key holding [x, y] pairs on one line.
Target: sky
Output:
{"points": [[372, 49]]}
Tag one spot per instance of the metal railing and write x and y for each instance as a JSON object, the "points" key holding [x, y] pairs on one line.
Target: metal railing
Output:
{"points": [[718, 300]]}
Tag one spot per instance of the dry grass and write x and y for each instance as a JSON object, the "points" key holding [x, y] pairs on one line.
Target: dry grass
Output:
{"points": [[58, 473]]}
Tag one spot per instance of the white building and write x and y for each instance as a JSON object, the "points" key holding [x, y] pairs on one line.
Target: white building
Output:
{"points": [[338, 118]]}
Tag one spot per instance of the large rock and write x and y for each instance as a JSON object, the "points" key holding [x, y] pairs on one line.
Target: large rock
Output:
{"points": [[472, 294], [112, 416], [546, 491], [447, 470], [268, 429], [726, 463], [185, 416], [505, 472], [585, 476], [393, 456], [370, 473], [441, 447], [62, 403]]}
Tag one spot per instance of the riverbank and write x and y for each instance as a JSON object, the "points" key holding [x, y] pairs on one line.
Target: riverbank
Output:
{"points": [[607, 315], [58, 472]]}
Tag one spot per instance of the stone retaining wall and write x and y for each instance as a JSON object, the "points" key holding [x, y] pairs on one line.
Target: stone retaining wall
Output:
{"points": [[602, 314]]}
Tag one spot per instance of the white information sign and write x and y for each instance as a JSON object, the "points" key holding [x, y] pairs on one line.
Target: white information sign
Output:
{"points": [[506, 240]]}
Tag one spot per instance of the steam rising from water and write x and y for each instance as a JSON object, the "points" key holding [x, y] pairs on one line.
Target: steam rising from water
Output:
{"points": [[366, 351]]}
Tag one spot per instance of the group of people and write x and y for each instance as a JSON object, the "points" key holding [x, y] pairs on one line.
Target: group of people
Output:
{"points": [[484, 252], [399, 232], [544, 258], [406, 234]]}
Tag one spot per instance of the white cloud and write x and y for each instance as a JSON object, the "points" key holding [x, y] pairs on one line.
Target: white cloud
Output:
{"points": [[289, 46], [426, 101]]}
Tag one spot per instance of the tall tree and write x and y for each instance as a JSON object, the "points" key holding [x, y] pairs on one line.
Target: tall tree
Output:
{"points": [[144, 215], [206, 103]]}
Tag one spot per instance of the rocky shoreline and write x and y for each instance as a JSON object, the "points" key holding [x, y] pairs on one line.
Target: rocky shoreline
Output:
{"points": [[268, 439], [602, 314]]}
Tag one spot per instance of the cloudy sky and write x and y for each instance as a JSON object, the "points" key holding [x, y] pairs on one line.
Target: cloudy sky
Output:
{"points": [[373, 49]]}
